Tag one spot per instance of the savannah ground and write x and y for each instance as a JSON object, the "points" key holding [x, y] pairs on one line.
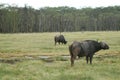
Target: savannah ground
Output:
{"points": [[20, 57]]}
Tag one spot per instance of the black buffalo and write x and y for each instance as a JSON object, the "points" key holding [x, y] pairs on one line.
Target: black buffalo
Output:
{"points": [[60, 39], [85, 48]]}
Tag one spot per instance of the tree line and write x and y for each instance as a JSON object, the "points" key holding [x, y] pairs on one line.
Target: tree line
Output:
{"points": [[14, 19]]}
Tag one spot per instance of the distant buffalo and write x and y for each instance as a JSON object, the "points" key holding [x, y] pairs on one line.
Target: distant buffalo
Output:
{"points": [[85, 48], [60, 39]]}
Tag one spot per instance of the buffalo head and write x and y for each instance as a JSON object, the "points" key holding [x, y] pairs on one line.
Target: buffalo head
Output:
{"points": [[65, 42], [104, 45]]}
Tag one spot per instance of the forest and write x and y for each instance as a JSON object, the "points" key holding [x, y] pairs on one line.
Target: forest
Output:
{"points": [[14, 19]]}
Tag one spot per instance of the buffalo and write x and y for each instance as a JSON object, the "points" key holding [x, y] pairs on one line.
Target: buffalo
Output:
{"points": [[85, 48], [60, 39]]}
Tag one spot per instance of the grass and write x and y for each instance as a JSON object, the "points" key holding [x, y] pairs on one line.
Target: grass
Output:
{"points": [[107, 69], [43, 43], [106, 64]]}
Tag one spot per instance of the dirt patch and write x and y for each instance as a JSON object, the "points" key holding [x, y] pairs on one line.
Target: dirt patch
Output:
{"points": [[9, 61], [54, 58], [45, 58]]}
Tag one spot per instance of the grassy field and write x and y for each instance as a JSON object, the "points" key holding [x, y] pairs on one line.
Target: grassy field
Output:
{"points": [[19, 57]]}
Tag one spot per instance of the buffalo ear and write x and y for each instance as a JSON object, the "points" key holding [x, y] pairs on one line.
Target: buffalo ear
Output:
{"points": [[98, 40]]}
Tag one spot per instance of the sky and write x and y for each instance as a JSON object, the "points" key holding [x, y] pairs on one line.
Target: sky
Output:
{"points": [[56, 3]]}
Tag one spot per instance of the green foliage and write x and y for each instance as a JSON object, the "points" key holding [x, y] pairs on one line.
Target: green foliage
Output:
{"points": [[27, 19]]}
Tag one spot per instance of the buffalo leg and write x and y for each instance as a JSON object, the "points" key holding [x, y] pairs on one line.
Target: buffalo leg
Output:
{"points": [[72, 60], [91, 59], [73, 57], [87, 59]]}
